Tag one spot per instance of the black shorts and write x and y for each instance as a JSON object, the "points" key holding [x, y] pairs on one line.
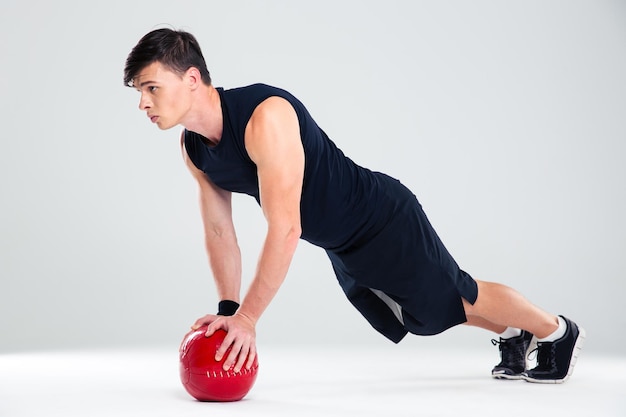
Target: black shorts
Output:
{"points": [[407, 261]]}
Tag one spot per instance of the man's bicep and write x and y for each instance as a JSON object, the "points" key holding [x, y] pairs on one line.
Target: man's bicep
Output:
{"points": [[273, 142]]}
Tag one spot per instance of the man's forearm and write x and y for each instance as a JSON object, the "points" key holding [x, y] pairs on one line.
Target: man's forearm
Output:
{"points": [[272, 269], [225, 261]]}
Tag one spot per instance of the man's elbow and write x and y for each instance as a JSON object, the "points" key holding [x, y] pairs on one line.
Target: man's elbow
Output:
{"points": [[289, 233], [295, 232]]}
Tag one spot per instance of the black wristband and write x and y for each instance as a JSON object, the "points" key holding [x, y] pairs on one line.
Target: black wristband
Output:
{"points": [[227, 308]]}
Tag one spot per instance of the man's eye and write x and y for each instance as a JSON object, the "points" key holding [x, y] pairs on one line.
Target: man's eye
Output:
{"points": [[152, 88]]}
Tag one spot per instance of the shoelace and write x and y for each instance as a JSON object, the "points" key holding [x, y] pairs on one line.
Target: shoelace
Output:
{"points": [[500, 343], [509, 352], [542, 353]]}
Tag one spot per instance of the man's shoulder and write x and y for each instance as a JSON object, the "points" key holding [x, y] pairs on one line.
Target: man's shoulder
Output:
{"points": [[247, 98], [257, 88]]}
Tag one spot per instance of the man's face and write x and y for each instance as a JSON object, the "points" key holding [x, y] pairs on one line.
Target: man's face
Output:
{"points": [[164, 95]]}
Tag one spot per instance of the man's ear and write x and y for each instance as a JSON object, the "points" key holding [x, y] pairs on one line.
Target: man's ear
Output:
{"points": [[193, 78]]}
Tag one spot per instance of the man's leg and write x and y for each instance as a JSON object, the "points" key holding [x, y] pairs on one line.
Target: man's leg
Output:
{"points": [[498, 307], [503, 310]]}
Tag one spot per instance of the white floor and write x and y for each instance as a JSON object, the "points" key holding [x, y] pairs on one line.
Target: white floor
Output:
{"points": [[298, 383]]}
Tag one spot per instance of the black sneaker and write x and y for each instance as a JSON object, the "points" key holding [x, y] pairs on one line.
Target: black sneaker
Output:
{"points": [[556, 360], [513, 353]]}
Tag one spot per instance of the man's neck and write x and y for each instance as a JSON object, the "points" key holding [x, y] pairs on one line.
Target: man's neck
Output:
{"points": [[205, 117]]}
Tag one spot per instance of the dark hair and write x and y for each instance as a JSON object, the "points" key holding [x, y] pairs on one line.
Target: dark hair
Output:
{"points": [[177, 50]]}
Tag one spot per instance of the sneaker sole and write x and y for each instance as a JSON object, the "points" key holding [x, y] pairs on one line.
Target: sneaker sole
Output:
{"points": [[507, 376], [577, 347]]}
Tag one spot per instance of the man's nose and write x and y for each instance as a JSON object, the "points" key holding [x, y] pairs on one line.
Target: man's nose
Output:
{"points": [[144, 103]]}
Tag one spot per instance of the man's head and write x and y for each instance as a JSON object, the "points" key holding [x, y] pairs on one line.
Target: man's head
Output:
{"points": [[167, 68], [175, 50]]}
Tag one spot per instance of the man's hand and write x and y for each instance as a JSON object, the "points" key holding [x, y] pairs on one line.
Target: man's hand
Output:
{"points": [[240, 337]]}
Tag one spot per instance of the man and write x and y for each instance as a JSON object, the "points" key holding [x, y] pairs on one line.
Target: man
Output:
{"points": [[389, 261]]}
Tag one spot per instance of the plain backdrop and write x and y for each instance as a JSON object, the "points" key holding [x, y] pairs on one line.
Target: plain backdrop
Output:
{"points": [[506, 118]]}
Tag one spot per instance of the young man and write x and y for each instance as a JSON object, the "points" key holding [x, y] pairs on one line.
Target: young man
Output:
{"points": [[389, 261]]}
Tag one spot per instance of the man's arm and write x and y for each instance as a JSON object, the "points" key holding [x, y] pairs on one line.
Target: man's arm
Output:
{"points": [[220, 239], [273, 142]]}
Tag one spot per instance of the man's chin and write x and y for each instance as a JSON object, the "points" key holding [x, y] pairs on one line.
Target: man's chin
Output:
{"points": [[163, 126]]}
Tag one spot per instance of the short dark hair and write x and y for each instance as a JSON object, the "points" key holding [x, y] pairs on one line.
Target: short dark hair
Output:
{"points": [[175, 49]]}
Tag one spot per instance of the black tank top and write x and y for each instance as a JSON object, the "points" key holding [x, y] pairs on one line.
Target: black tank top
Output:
{"points": [[342, 203]]}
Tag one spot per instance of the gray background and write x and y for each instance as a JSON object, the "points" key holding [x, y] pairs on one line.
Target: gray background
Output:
{"points": [[507, 119]]}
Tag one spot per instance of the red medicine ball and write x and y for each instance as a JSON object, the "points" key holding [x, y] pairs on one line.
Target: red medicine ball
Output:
{"points": [[203, 377]]}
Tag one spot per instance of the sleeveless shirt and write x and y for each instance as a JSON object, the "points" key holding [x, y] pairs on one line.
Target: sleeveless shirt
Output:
{"points": [[334, 188], [371, 226]]}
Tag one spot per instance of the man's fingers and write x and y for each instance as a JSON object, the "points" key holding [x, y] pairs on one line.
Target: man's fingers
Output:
{"points": [[215, 325], [240, 350], [221, 351], [232, 356], [202, 321], [237, 359], [251, 356]]}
